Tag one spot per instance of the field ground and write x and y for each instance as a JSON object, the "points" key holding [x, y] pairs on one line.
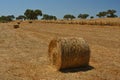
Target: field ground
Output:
{"points": [[23, 51]]}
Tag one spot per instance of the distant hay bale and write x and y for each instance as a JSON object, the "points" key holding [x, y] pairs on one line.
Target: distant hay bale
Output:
{"points": [[16, 26], [68, 53], [18, 23], [30, 22]]}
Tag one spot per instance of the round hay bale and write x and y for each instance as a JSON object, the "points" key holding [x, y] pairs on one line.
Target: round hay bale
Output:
{"points": [[18, 23], [30, 22], [68, 53], [16, 26]]}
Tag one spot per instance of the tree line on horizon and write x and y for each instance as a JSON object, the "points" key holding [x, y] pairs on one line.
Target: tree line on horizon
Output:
{"points": [[30, 14]]}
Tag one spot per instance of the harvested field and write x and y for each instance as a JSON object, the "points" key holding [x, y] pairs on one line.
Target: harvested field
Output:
{"points": [[100, 22], [24, 51]]}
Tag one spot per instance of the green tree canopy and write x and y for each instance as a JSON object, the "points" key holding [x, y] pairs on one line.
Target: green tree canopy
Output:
{"points": [[21, 17], [32, 14], [91, 17], [111, 13], [49, 17], [11, 17], [69, 16], [108, 13], [6, 18], [38, 12], [102, 14], [83, 16]]}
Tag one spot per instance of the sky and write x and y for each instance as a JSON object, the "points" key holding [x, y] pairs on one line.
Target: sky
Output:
{"points": [[58, 7]]}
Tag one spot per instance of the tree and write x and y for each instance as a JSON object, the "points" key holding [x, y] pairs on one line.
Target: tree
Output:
{"points": [[11, 17], [83, 16], [3, 19], [32, 14], [29, 14], [54, 17], [111, 13], [21, 17], [6, 18], [102, 14], [69, 17], [91, 17], [98, 15], [49, 17], [45, 17], [38, 13], [108, 13]]}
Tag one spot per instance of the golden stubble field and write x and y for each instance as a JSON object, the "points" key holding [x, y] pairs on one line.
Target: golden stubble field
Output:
{"points": [[24, 51]]}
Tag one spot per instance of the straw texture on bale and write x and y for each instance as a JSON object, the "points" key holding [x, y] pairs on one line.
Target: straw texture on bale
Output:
{"points": [[68, 53]]}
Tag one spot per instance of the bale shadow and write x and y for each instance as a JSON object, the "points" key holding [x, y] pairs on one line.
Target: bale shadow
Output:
{"points": [[78, 69]]}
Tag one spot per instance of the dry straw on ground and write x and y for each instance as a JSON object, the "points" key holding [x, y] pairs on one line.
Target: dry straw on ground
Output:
{"points": [[101, 21], [69, 53]]}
